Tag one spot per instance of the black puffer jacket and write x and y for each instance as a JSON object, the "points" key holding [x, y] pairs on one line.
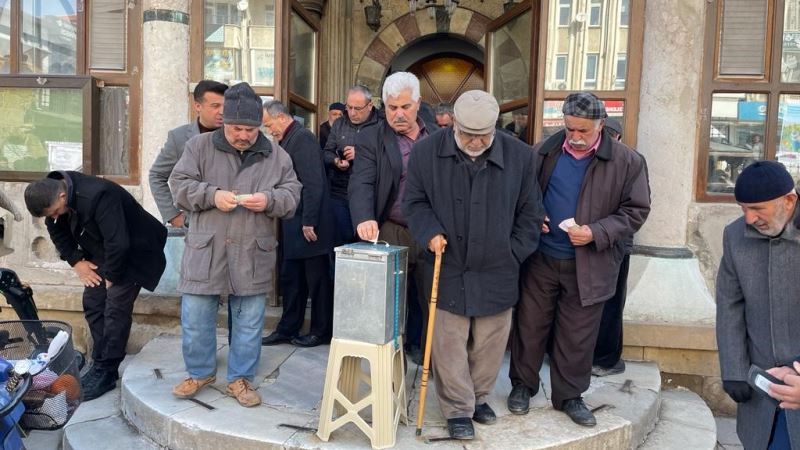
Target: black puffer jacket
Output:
{"points": [[343, 133]]}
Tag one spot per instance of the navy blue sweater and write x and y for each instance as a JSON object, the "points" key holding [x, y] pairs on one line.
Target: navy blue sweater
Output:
{"points": [[561, 202]]}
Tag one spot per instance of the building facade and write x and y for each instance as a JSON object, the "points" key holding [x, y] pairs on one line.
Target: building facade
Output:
{"points": [[702, 88]]}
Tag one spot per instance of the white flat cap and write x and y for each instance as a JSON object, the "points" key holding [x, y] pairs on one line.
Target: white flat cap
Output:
{"points": [[476, 112]]}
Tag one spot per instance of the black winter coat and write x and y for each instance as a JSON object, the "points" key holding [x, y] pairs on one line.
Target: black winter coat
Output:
{"points": [[314, 207], [105, 225], [491, 226], [376, 173]]}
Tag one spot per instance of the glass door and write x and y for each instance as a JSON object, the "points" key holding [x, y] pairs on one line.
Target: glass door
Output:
{"points": [[510, 48]]}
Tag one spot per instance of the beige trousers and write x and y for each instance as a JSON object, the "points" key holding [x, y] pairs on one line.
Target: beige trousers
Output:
{"points": [[467, 355]]}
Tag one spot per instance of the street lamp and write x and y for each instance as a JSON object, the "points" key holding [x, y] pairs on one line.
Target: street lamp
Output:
{"points": [[373, 15]]}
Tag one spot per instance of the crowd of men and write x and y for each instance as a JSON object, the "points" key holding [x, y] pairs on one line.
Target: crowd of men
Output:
{"points": [[535, 242]]}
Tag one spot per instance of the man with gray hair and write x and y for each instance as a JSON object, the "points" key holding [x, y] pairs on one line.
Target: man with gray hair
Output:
{"points": [[596, 196], [379, 177], [444, 115], [472, 188], [306, 238], [340, 153], [235, 185]]}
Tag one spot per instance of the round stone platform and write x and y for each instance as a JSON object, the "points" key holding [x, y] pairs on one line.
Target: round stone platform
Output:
{"points": [[291, 380]]}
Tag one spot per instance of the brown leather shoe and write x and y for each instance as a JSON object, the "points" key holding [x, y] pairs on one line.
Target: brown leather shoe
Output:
{"points": [[244, 393], [189, 387]]}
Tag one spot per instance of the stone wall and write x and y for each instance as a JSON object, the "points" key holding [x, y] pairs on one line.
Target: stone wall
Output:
{"points": [[705, 225], [372, 51]]}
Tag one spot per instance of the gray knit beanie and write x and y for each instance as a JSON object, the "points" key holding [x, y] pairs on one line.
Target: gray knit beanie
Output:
{"points": [[242, 106]]}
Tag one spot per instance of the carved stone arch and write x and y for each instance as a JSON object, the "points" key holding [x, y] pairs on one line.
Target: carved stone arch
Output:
{"points": [[406, 30]]}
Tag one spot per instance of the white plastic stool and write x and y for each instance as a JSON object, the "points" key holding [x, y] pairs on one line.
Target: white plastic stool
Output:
{"points": [[387, 394]]}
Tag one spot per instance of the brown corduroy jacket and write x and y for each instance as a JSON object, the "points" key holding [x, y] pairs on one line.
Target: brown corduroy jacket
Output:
{"points": [[614, 202]]}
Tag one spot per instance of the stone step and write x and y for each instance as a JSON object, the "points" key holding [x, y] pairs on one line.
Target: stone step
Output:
{"points": [[291, 382], [99, 424], [685, 421]]}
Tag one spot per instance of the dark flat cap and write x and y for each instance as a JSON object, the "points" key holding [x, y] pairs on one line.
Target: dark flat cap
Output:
{"points": [[337, 106], [584, 105], [763, 181]]}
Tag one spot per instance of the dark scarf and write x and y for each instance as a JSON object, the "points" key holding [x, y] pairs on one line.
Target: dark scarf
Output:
{"points": [[258, 151]]}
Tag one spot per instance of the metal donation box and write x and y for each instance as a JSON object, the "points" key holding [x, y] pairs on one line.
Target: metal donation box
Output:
{"points": [[369, 297]]}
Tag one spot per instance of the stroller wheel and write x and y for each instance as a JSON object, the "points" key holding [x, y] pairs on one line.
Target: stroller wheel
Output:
{"points": [[80, 360]]}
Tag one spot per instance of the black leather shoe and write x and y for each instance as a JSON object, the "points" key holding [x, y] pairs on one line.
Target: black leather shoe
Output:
{"points": [[461, 428], [519, 400], [578, 412], [100, 382], [276, 338], [484, 414], [600, 371], [414, 353], [308, 340]]}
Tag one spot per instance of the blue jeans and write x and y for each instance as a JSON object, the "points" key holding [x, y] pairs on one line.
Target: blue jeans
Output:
{"points": [[198, 324]]}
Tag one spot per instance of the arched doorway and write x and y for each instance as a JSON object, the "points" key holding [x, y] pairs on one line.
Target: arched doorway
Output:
{"points": [[446, 65], [444, 77]]}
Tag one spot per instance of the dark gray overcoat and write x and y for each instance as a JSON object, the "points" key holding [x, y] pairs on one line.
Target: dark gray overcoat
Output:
{"points": [[758, 318], [314, 207], [492, 225]]}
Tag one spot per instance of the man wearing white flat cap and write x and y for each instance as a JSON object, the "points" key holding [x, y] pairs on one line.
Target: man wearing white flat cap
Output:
{"points": [[473, 190]]}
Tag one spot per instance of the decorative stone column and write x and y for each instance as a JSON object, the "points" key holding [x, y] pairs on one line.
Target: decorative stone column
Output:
{"points": [[666, 284], [165, 80], [335, 58]]}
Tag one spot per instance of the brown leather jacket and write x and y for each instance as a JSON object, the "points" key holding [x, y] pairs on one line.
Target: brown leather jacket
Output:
{"points": [[614, 201]]}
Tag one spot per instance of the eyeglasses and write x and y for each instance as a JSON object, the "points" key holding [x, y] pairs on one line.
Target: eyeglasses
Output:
{"points": [[356, 108]]}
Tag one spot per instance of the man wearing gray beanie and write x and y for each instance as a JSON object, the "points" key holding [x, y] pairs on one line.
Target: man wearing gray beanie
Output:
{"points": [[235, 185], [474, 190], [757, 306]]}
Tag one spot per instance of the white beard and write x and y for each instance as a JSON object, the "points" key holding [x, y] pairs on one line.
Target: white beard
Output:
{"points": [[473, 154]]}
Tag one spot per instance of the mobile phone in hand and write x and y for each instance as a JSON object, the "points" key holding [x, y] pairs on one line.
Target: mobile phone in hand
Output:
{"points": [[760, 380]]}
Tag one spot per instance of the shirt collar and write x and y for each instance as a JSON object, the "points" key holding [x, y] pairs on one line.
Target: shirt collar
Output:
{"points": [[286, 132], [581, 155], [423, 131]]}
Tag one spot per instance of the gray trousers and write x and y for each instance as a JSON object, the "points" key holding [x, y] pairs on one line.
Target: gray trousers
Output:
{"points": [[467, 355]]}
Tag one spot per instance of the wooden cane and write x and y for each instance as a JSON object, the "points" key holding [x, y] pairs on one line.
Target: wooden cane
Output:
{"points": [[423, 387]]}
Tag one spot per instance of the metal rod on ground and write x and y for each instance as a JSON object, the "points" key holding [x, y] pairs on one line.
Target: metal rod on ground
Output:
{"points": [[423, 387]]}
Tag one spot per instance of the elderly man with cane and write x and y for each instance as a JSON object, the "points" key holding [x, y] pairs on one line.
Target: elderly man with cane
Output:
{"points": [[474, 190]]}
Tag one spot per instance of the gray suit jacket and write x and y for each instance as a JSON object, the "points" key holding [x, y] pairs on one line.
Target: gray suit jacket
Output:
{"points": [[163, 165]]}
